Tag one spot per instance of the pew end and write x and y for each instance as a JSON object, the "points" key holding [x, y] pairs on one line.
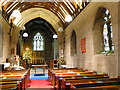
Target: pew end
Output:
{"points": [[106, 74], [12, 85], [94, 71], [72, 87]]}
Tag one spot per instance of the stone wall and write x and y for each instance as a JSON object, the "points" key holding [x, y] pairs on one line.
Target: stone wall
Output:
{"points": [[48, 49], [0, 36], [4, 40], [119, 38], [83, 25]]}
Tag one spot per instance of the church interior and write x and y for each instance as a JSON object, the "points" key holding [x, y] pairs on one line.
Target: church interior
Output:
{"points": [[60, 44]]}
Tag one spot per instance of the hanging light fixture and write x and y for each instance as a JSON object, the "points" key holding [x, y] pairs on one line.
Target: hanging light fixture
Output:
{"points": [[68, 18], [54, 36], [23, 28], [25, 34], [16, 13], [60, 29]]}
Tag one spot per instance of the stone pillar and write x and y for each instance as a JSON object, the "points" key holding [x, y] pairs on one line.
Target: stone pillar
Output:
{"points": [[1, 36], [119, 38]]}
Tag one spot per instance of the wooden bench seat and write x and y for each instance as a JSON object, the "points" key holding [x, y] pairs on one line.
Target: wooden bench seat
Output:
{"points": [[9, 87], [50, 71], [91, 83], [111, 87], [54, 76], [21, 76], [81, 79], [10, 78], [82, 75], [61, 81], [10, 82], [14, 79], [72, 72]]}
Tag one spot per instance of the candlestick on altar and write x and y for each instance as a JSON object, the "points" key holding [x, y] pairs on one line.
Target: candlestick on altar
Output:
{"points": [[17, 58]]}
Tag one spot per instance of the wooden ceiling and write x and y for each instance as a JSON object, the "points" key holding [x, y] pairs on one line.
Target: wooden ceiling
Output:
{"points": [[59, 8]]}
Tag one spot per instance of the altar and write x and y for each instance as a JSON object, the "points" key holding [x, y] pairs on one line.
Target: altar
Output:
{"points": [[40, 66]]}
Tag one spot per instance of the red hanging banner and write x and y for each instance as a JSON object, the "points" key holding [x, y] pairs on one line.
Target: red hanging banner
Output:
{"points": [[83, 45]]}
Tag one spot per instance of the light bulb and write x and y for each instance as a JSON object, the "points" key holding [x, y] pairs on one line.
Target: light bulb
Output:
{"points": [[68, 18], [16, 13], [25, 34], [54, 36]]}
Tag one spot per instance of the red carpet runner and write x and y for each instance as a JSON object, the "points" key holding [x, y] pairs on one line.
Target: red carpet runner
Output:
{"points": [[41, 83]]}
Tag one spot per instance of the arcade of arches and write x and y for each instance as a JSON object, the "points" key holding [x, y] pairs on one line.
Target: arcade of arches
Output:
{"points": [[91, 40]]}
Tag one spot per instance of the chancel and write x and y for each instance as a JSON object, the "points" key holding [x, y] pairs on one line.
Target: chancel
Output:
{"points": [[60, 44]]}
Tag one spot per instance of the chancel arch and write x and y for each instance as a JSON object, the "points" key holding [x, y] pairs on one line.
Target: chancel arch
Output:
{"points": [[39, 40], [28, 15], [38, 12]]}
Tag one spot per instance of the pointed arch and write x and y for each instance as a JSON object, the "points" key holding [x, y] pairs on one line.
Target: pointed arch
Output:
{"points": [[73, 43]]}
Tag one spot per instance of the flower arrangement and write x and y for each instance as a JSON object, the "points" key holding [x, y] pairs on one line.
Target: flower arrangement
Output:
{"points": [[75, 54], [61, 61], [105, 52], [27, 54]]}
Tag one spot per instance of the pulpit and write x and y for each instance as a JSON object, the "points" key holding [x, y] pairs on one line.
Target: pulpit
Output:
{"points": [[54, 63]]}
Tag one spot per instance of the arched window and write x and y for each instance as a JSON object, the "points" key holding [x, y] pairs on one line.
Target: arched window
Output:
{"points": [[73, 44], [107, 32], [102, 32], [38, 42]]}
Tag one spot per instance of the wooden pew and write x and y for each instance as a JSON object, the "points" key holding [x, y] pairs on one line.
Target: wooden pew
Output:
{"points": [[16, 75], [81, 75], [50, 71], [66, 82], [11, 85], [61, 71], [91, 83], [8, 79], [80, 81], [61, 81], [54, 75], [111, 87]]}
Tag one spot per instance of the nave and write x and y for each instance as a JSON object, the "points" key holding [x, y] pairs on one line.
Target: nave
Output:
{"points": [[60, 44], [63, 79]]}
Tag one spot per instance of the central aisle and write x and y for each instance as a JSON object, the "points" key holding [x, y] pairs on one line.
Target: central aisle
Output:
{"points": [[39, 80], [40, 83]]}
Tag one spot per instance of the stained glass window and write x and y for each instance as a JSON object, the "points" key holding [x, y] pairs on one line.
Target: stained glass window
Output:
{"points": [[38, 42], [107, 32]]}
